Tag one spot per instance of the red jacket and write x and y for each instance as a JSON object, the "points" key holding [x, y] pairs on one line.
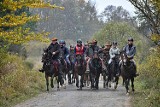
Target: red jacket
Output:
{"points": [[79, 50]]}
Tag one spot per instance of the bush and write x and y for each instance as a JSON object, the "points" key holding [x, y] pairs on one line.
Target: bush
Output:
{"points": [[17, 82], [148, 84]]}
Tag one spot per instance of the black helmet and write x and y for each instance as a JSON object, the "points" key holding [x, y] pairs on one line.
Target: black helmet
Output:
{"points": [[79, 41], [130, 39], [114, 43]]}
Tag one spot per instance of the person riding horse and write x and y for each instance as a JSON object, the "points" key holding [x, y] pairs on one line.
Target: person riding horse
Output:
{"points": [[79, 49], [130, 51], [90, 52], [114, 53], [52, 66], [80, 64], [64, 52], [54, 50]]}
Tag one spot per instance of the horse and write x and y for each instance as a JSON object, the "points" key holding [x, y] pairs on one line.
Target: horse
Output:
{"points": [[51, 69], [105, 60], [127, 68], [113, 67], [79, 70], [71, 78], [95, 66]]}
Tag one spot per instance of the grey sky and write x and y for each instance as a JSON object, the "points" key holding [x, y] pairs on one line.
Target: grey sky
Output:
{"points": [[101, 4]]}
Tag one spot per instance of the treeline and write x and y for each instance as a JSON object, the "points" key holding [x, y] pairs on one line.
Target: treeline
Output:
{"points": [[78, 20]]}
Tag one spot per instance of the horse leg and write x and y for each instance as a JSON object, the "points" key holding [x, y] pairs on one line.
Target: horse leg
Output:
{"points": [[104, 80], [69, 78], [109, 81], [126, 85], [132, 84], [47, 82], [97, 81], [92, 81], [123, 82], [52, 77], [81, 81], [116, 80], [88, 79], [77, 80], [58, 81]]}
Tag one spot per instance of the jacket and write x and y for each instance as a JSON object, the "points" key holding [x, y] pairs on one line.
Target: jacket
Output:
{"points": [[130, 50], [54, 48]]}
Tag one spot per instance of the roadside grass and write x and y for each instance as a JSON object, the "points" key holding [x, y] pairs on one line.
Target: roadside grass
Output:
{"points": [[147, 85], [18, 81]]}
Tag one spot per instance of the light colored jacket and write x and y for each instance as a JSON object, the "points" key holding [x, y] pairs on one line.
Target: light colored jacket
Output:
{"points": [[113, 52]]}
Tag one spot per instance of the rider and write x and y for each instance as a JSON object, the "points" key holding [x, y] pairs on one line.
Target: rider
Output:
{"points": [[90, 52], [130, 51], [114, 52], [64, 51], [79, 49], [54, 49], [106, 51]]}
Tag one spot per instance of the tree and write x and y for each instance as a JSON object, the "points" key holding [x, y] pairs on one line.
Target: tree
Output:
{"points": [[148, 11], [78, 20], [113, 13], [11, 23]]}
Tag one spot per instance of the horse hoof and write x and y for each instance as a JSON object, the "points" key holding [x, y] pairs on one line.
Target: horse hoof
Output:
{"points": [[58, 89], [52, 86], [127, 93], [115, 87]]}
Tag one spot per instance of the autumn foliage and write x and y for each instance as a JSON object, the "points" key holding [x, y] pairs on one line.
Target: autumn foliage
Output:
{"points": [[11, 24]]}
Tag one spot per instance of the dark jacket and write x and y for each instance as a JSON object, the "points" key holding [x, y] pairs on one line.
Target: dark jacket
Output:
{"points": [[64, 52], [130, 50], [90, 51], [54, 48]]}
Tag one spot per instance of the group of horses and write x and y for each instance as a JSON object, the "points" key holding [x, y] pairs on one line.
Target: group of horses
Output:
{"points": [[76, 72]]}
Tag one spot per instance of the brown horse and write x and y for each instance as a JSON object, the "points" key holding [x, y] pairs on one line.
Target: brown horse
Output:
{"points": [[95, 66], [113, 67], [127, 71], [79, 70], [51, 68]]}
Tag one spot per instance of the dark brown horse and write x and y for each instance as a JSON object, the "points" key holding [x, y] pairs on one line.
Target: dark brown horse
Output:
{"points": [[95, 66], [113, 69], [51, 69], [127, 71], [71, 76], [105, 59], [79, 70]]}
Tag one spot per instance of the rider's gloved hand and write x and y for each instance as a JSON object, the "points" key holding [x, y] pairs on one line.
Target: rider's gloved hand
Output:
{"points": [[54, 53]]}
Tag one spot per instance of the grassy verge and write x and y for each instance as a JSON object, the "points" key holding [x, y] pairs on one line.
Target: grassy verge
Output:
{"points": [[148, 84], [17, 81]]}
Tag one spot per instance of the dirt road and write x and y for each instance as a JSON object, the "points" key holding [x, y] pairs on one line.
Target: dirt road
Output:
{"points": [[71, 97]]}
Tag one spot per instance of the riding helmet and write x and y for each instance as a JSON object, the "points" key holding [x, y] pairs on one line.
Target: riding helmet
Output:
{"points": [[130, 39], [79, 41], [114, 43]]}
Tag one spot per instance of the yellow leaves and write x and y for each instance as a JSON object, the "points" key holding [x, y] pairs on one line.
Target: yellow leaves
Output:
{"points": [[20, 35], [14, 5], [17, 34], [11, 20], [155, 37]]}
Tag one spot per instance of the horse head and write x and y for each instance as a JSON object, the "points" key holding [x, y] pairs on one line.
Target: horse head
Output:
{"points": [[96, 61], [45, 55], [125, 59], [79, 60]]}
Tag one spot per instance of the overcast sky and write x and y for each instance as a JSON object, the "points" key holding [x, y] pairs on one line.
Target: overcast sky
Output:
{"points": [[101, 4]]}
